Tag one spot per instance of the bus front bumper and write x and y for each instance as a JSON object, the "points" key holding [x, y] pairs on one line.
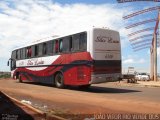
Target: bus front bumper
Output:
{"points": [[101, 78]]}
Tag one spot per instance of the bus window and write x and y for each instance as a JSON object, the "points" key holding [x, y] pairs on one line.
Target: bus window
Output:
{"points": [[33, 51], [18, 54], [44, 49], [13, 64], [13, 60], [13, 56], [70, 43], [36, 50], [29, 52], [40, 52], [49, 47], [56, 46], [24, 53], [76, 42], [66, 44], [60, 45], [53, 46], [83, 41]]}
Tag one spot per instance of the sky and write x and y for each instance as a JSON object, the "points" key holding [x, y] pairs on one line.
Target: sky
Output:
{"points": [[24, 21]]}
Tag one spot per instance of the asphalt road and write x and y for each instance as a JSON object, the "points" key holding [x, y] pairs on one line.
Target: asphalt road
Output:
{"points": [[100, 98]]}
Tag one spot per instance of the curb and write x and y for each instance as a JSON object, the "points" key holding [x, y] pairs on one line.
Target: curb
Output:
{"points": [[34, 109]]}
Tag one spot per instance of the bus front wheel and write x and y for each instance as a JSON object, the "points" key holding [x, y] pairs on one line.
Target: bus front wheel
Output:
{"points": [[59, 80], [20, 79]]}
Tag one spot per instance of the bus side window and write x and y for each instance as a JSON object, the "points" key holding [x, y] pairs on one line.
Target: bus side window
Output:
{"points": [[24, 53], [66, 45], [33, 51], [83, 41], [61, 45], [40, 52], [21, 56], [18, 54], [44, 49], [13, 56], [36, 50], [76, 42], [53, 46], [70, 43], [29, 52], [56, 46], [49, 47]]}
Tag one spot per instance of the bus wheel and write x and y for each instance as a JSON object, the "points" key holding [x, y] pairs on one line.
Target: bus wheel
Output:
{"points": [[20, 79], [59, 80]]}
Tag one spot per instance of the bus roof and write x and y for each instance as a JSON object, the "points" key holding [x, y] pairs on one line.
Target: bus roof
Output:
{"points": [[56, 37]]}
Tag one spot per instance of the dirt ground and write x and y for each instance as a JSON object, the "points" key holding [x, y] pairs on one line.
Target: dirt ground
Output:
{"points": [[11, 110], [98, 99]]}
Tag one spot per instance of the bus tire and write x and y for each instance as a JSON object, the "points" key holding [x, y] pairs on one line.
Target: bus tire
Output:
{"points": [[59, 80], [20, 79]]}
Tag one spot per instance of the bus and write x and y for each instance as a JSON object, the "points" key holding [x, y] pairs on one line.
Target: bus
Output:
{"points": [[80, 59]]}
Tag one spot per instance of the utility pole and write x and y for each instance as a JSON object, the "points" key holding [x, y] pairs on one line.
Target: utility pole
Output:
{"points": [[151, 63], [154, 47], [155, 55]]}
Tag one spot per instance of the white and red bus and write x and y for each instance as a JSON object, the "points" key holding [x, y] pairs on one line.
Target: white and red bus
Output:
{"points": [[78, 59]]}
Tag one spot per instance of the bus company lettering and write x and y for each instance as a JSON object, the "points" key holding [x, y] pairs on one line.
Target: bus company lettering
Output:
{"points": [[36, 62], [21, 63], [30, 62], [106, 39], [39, 62]]}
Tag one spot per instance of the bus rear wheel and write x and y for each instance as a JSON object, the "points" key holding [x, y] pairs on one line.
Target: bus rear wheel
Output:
{"points": [[59, 80]]}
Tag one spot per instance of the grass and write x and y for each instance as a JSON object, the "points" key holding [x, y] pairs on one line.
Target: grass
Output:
{"points": [[5, 76]]}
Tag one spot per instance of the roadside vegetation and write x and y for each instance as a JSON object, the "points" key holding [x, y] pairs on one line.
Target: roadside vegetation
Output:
{"points": [[4, 76]]}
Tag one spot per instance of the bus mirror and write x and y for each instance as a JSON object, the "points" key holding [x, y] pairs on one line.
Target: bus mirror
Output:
{"points": [[8, 63]]}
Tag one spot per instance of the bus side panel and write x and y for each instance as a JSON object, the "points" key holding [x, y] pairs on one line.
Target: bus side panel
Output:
{"points": [[75, 67], [78, 75], [78, 69], [43, 74]]}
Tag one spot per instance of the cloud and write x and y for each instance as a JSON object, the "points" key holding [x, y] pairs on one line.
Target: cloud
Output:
{"points": [[133, 61], [128, 61], [139, 64], [22, 22], [25, 21]]}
